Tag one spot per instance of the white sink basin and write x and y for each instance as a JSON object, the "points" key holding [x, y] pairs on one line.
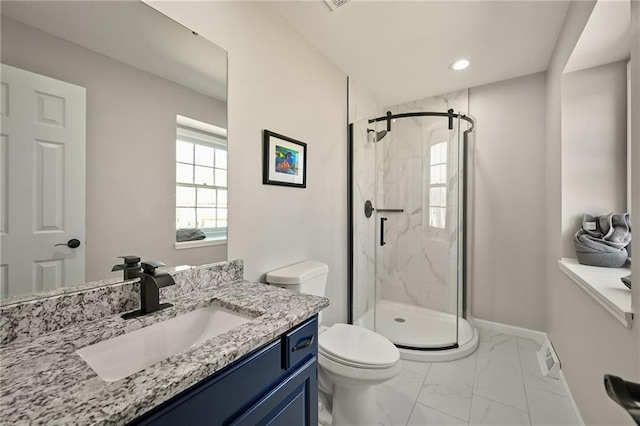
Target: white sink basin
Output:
{"points": [[117, 358]]}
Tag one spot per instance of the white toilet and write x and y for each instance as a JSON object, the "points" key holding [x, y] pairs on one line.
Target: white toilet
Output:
{"points": [[352, 359]]}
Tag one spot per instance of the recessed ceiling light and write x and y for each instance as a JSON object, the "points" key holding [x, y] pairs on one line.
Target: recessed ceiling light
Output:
{"points": [[460, 65]]}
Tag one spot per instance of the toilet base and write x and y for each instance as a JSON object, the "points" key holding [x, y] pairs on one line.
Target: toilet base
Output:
{"points": [[354, 406], [324, 415]]}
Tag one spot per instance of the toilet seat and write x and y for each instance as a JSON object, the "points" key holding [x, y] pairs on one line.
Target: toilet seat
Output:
{"points": [[352, 364], [357, 347]]}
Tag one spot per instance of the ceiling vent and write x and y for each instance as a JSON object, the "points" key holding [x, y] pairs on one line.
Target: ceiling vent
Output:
{"points": [[334, 4]]}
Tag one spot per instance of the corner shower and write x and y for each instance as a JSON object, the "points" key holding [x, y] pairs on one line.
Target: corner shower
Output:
{"points": [[407, 227]]}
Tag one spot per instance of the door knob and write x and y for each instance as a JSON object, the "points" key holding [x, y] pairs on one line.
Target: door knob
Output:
{"points": [[368, 209], [72, 243]]}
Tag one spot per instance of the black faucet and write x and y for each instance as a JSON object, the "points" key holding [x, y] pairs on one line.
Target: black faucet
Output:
{"points": [[130, 267], [151, 281]]}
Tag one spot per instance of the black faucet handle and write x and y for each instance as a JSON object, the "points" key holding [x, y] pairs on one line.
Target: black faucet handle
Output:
{"points": [[130, 267], [150, 266], [130, 260]]}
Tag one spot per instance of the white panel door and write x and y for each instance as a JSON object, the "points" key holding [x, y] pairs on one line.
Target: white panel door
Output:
{"points": [[42, 155]]}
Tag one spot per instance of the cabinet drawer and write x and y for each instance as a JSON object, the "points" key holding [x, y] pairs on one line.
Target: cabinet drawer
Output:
{"points": [[300, 344]]}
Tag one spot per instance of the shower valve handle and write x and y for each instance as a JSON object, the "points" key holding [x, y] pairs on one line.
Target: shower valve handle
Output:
{"points": [[382, 221]]}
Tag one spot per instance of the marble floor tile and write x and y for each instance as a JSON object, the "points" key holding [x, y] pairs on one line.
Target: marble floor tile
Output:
{"points": [[531, 373], [421, 368], [397, 397], [546, 408], [423, 415], [448, 387], [498, 345], [500, 379], [500, 384], [487, 412]]}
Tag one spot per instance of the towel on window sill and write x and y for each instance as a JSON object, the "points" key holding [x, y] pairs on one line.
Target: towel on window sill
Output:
{"points": [[189, 234], [603, 240]]}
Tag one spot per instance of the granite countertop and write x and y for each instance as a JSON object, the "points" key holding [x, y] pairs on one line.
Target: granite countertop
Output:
{"points": [[43, 381]]}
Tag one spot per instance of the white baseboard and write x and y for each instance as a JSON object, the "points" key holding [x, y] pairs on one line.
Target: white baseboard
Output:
{"points": [[537, 336], [572, 401]]}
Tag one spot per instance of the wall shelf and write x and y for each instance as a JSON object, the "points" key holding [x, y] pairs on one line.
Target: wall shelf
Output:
{"points": [[604, 285]]}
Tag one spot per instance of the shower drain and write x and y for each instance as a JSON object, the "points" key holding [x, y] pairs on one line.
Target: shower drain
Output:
{"points": [[399, 319]]}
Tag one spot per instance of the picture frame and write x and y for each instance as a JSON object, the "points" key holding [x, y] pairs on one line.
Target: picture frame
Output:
{"points": [[284, 160]]}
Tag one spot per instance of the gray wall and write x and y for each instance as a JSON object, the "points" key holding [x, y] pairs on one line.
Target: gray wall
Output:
{"points": [[131, 128], [594, 146], [507, 284], [278, 81], [589, 341]]}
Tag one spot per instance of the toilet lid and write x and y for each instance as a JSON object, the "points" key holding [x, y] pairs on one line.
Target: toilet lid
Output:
{"points": [[357, 345]]}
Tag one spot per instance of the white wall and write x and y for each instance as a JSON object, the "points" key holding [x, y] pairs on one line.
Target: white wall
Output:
{"points": [[361, 104], [507, 282], [594, 146], [589, 341], [277, 81]]}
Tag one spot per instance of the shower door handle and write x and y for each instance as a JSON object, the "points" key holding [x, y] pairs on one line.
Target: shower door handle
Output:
{"points": [[382, 221]]}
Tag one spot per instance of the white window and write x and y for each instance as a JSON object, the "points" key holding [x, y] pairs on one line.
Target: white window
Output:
{"points": [[438, 185], [201, 178]]}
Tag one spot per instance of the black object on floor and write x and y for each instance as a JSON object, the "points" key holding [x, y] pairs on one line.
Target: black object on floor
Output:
{"points": [[625, 394]]}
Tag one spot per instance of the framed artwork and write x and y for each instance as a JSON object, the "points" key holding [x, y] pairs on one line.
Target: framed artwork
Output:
{"points": [[284, 161]]}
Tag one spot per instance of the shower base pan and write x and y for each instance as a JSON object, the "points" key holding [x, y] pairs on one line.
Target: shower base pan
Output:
{"points": [[421, 333]]}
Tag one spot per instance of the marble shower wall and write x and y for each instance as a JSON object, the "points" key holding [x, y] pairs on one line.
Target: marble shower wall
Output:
{"points": [[419, 262]]}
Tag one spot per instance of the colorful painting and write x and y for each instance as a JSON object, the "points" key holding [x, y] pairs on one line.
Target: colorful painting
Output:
{"points": [[286, 160]]}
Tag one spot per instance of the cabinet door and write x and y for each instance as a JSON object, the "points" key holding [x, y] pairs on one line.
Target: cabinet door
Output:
{"points": [[293, 402]]}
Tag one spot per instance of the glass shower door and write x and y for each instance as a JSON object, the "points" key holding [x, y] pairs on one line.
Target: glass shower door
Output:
{"points": [[363, 228], [417, 225]]}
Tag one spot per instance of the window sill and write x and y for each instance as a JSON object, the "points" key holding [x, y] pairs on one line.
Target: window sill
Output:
{"points": [[604, 285], [200, 243]]}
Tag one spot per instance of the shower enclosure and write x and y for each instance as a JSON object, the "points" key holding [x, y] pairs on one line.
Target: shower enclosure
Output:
{"points": [[408, 219]]}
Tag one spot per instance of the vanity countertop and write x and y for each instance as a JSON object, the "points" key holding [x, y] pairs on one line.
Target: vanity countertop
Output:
{"points": [[44, 381]]}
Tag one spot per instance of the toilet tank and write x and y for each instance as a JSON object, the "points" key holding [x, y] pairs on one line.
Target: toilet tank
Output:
{"points": [[309, 277]]}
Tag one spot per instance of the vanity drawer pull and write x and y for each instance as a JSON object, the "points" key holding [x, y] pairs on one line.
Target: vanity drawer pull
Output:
{"points": [[300, 343], [305, 344]]}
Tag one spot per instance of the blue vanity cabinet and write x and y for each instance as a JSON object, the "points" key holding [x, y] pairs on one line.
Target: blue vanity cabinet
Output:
{"points": [[273, 385]]}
